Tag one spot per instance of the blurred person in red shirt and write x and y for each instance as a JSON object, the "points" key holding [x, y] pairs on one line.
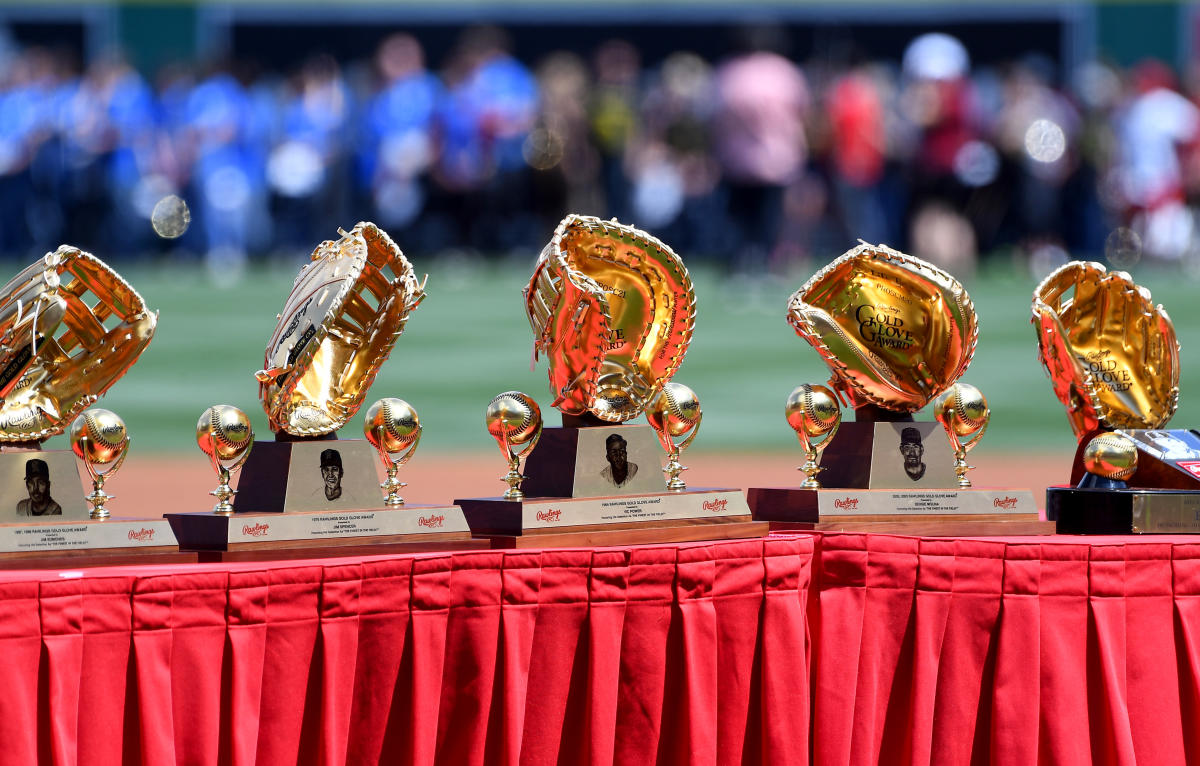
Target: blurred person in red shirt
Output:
{"points": [[762, 99]]}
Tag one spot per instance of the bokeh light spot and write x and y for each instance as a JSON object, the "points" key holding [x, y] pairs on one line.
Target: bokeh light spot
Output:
{"points": [[171, 217], [1123, 247], [1045, 141]]}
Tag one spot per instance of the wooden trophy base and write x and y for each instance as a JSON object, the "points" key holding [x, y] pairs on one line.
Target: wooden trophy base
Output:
{"points": [[1134, 511], [89, 542], [319, 534], [925, 513], [667, 517]]}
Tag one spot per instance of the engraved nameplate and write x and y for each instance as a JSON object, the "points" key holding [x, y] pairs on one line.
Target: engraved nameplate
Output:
{"points": [[881, 502], [540, 513], [91, 534], [317, 525], [1166, 512]]}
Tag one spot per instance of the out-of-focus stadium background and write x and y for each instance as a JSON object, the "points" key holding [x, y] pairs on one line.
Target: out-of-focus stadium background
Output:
{"points": [[758, 139]]}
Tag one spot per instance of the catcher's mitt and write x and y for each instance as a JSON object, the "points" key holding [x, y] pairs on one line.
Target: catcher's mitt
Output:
{"points": [[346, 310], [613, 310], [896, 331], [1111, 354], [69, 328]]}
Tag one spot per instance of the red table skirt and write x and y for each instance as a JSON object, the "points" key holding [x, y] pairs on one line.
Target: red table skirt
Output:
{"points": [[660, 653], [1063, 651]]}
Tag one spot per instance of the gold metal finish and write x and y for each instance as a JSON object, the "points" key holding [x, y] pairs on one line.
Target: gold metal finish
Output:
{"points": [[964, 413], [224, 434], [98, 438], [514, 420], [613, 310], [393, 428], [896, 331], [813, 413], [1111, 353], [70, 327], [674, 413], [338, 325], [1111, 455]]}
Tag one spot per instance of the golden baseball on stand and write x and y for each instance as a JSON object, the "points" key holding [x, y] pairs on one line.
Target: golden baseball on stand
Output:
{"points": [[814, 414], [224, 432], [514, 416], [98, 436], [675, 412], [391, 425], [1111, 455]]}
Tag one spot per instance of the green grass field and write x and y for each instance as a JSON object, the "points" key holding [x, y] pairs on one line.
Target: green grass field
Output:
{"points": [[470, 340]]}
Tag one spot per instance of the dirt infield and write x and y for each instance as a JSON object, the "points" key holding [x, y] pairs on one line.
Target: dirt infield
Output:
{"points": [[152, 486]]}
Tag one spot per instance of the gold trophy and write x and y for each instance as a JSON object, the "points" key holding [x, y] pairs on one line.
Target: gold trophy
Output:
{"points": [[897, 333], [393, 428], [1113, 360], [515, 421], [307, 491], [98, 439], [673, 413], [70, 328], [612, 309], [964, 413], [223, 432], [813, 413]]}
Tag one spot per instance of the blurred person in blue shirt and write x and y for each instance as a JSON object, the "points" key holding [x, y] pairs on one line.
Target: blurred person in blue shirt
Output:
{"points": [[307, 166], [224, 138], [490, 107], [397, 143]]}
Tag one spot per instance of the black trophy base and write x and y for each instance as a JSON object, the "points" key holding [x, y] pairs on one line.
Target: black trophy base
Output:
{"points": [[1133, 511]]}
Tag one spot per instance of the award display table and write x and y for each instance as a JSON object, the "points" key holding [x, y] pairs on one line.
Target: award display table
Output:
{"points": [[1063, 650]]}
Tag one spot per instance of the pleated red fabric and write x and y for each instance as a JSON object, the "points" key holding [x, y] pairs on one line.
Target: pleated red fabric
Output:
{"points": [[835, 649]]}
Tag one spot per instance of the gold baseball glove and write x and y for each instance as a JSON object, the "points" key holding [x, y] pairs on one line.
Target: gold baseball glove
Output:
{"points": [[896, 331], [70, 327], [346, 310], [1111, 353], [613, 310]]}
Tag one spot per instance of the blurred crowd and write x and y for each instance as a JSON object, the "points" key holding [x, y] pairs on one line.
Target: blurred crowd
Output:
{"points": [[756, 159]]}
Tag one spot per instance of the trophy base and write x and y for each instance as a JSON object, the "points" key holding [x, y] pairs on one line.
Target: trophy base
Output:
{"points": [[315, 534], [543, 522], [1130, 511], [927, 513], [89, 542]]}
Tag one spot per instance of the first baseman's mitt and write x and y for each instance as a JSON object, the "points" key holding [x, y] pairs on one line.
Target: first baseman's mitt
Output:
{"points": [[1111, 353], [346, 310], [70, 327], [613, 310], [896, 331]]}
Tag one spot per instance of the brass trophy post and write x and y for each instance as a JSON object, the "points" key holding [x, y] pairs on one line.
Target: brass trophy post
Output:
{"points": [[897, 334], [307, 490], [1113, 360], [612, 310], [70, 328]]}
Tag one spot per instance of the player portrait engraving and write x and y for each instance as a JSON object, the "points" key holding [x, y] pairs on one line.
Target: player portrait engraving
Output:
{"points": [[37, 484], [331, 473], [912, 450], [619, 471]]}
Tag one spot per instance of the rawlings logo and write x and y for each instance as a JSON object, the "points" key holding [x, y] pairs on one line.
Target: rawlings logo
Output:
{"points": [[715, 506], [258, 530], [431, 520], [1005, 502], [549, 514], [141, 535], [846, 504]]}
